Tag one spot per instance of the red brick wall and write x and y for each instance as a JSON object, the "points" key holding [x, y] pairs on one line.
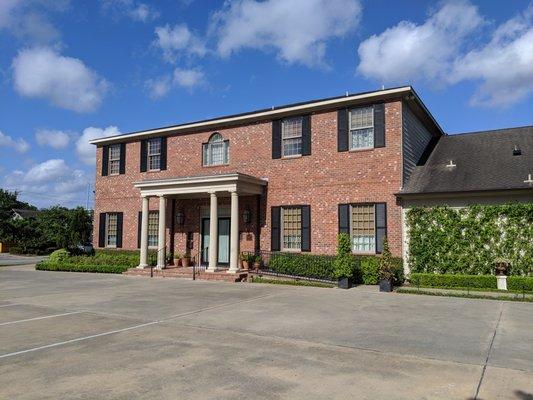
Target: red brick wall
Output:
{"points": [[323, 180]]}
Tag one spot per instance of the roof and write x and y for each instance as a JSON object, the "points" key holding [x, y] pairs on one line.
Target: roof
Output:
{"points": [[404, 92], [476, 161], [26, 213]]}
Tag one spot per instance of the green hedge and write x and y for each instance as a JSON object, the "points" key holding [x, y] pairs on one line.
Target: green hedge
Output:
{"points": [[444, 240], [520, 283], [453, 281], [369, 270], [101, 268], [308, 265]]}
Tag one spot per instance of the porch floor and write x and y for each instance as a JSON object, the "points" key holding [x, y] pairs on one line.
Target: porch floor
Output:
{"points": [[182, 272]]}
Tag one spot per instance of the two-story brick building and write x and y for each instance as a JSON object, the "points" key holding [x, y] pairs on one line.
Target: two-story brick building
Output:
{"points": [[288, 178]]}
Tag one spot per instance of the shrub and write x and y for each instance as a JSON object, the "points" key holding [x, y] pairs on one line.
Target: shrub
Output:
{"points": [[344, 265], [520, 283], [453, 281], [370, 270], [65, 266], [59, 256], [386, 267], [343, 244], [309, 265]]}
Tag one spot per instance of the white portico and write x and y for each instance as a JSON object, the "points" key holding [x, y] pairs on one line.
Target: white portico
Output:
{"points": [[197, 187]]}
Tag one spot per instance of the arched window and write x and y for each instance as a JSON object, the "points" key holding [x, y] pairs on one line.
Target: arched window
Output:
{"points": [[216, 150]]}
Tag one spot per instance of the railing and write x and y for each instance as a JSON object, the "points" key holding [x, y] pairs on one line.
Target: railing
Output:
{"points": [[197, 264]]}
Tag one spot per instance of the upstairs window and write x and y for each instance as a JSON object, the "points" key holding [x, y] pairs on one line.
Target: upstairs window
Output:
{"points": [[216, 151], [361, 128], [154, 154], [111, 230], [291, 136], [114, 159], [291, 226]]}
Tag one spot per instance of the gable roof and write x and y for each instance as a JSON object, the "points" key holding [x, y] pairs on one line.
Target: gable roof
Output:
{"points": [[482, 161], [25, 214], [406, 93]]}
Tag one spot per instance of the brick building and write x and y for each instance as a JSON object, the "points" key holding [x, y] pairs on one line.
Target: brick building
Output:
{"points": [[288, 178]]}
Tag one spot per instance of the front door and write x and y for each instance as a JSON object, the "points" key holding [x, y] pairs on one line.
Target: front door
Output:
{"points": [[223, 240]]}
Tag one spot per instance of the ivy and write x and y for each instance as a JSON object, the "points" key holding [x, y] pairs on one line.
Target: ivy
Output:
{"points": [[467, 240]]}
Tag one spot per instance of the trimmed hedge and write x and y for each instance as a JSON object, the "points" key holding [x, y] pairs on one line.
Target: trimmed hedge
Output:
{"points": [[101, 268], [453, 281], [520, 283], [369, 270], [308, 265]]}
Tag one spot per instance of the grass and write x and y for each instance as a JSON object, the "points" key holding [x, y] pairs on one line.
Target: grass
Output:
{"points": [[464, 295], [472, 289], [256, 279]]}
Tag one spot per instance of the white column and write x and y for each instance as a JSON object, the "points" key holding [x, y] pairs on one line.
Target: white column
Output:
{"points": [[213, 233], [234, 234], [161, 247], [143, 259]]}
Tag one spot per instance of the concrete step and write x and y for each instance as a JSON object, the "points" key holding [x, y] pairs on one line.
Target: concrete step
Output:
{"points": [[187, 273]]}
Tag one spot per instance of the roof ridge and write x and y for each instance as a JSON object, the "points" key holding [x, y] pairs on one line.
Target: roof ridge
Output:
{"points": [[488, 131]]}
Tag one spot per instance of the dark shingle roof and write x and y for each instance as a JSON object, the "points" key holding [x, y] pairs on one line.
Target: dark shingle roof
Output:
{"points": [[483, 161], [26, 213]]}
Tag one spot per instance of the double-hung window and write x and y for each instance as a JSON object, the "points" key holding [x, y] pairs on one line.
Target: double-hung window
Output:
{"points": [[153, 228], [114, 159], [154, 154], [291, 136], [363, 228], [111, 230], [361, 125], [216, 151], [291, 228]]}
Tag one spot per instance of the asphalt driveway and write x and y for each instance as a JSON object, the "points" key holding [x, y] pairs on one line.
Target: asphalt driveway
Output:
{"points": [[85, 336]]}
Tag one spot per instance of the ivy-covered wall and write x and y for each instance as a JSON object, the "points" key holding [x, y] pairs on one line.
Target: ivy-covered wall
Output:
{"points": [[468, 240]]}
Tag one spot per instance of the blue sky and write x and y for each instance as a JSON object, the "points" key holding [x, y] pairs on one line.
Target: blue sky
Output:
{"points": [[74, 70]]}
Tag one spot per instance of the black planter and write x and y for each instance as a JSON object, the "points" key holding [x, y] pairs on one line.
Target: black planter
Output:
{"points": [[345, 283], [385, 285]]}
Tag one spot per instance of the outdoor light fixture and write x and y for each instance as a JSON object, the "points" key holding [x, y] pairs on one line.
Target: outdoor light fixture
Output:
{"points": [[247, 216], [180, 217]]}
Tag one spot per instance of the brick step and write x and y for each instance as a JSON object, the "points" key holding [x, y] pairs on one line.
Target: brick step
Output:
{"points": [[187, 273]]}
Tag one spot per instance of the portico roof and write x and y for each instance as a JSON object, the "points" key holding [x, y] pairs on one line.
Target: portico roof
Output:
{"points": [[202, 184]]}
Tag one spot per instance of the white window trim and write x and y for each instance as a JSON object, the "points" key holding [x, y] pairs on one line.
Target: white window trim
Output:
{"points": [[111, 246], [351, 229], [283, 139], [282, 242], [148, 155], [351, 148], [109, 160], [207, 148]]}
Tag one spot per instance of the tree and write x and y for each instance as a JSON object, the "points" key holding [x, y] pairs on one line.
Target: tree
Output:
{"points": [[9, 201]]}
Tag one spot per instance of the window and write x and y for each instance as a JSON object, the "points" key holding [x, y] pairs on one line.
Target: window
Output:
{"points": [[111, 230], [153, 228], [361, 128], [216, 151], [363, 228], [291, 136], [114, 159], [154, 154], [291, 233]]}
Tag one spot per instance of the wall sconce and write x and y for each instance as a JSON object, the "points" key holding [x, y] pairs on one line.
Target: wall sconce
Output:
{"points": [[247, 216], [180, 217]]}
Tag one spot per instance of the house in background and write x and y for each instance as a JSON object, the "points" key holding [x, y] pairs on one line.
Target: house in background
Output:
{"points": [[20, 214]]}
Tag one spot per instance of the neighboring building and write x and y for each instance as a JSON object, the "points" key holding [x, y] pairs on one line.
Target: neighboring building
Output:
{"points": [[282, 179], [19, 214]]}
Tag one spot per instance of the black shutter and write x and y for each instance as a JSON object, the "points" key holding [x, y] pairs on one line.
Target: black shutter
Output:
{"points": [[122, 163], [381, 225], [139, 223], [101, 230], [163, 162], [306, 228], [379, 125], [275, 231], [105, 160], [342, 130], [120, 219], [144, 155], [276, 139], [344, 218], [306, 135]]}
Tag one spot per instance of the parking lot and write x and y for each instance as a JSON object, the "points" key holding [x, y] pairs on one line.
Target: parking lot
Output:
{"points": [[93, 336]]}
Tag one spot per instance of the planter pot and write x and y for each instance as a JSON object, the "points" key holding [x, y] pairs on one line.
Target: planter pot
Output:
{"points": [[257, 265], [345, 283], [177, 262], [385, 285], [245, 265], [185, 262]]}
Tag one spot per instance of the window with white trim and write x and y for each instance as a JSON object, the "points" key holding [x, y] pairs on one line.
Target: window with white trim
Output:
{"points": [[216, 151], [111, 229], [291, 228], [363, 228], [154, 154], [114, 159], [153, 228], [361, 128], [291, 136]]}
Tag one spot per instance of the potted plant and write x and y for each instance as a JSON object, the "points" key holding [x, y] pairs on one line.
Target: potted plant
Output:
{"points": [[386, 269], [152, 259], [245, 260], [186, 260], [257, 262], [177, 259], [502, 265], [344, 264]]}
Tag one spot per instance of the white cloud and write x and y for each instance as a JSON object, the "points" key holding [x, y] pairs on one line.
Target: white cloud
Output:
{"points": [[50, 182], [66, 82], [135, 10], [53, 138], [409, 51], [177, 41], [87, 151], [185, 78], [504, 65], [297, 31], [20, 145]]}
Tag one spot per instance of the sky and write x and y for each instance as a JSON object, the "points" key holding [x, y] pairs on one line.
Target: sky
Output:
{"points": [[72, 71]]}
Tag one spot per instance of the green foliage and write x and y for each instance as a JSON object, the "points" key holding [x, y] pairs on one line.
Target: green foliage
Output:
{"points": [[520, 283], [71, 267], [309, 265], [453, 281], [386, 265], [59, 256], [370, 269], [343, 244], [257, 279], [516, 297], [469, 240], [345, 264], [9, 201]]}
